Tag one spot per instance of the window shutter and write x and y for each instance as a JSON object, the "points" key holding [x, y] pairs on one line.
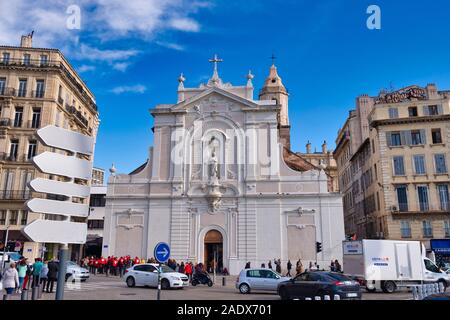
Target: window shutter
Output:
{"points": [[426, 111], [440, 110], [388, 139], [423, 136]]}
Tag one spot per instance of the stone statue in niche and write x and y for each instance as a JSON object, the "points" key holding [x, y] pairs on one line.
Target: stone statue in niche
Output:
{"points": [[213, 195]]}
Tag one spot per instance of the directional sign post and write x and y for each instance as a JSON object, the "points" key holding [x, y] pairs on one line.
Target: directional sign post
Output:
{"points": [[71, 167], [162, 254]]}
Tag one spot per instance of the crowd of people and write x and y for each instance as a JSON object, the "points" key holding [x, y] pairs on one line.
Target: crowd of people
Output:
{"points": [[334, 266], [116, 266], [23, 275]]}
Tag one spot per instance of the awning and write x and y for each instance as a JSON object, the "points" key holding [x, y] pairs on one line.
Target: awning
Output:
{"points": [[440, 246]]}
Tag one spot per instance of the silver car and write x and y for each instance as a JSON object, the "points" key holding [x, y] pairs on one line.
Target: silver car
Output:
{"points": [[258, 280]]}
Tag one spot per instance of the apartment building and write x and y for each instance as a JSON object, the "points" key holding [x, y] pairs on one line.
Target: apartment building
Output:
{"points": [[38, 87], [393, 165]]}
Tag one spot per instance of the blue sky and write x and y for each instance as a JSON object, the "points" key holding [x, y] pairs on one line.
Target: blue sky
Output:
{"points": [[130, 55]]}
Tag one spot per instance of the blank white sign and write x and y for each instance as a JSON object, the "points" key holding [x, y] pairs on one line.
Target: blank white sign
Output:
{"points": [[55, 163], [50, 231], [65, 208], [57, 137]]}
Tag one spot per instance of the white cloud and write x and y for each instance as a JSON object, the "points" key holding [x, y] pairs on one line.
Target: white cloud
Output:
{"points": [[139, 88], [85, 68], [102, 22], [121, 66], [170, 45]]}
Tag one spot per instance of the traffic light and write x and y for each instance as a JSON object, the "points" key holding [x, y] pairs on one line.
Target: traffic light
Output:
{"points": [[318, 247]]}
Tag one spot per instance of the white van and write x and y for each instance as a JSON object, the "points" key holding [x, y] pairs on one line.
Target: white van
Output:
{"points": [[389, 264]]}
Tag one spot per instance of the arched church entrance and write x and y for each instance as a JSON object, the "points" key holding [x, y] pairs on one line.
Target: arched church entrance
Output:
{"points": [[213, 252]]}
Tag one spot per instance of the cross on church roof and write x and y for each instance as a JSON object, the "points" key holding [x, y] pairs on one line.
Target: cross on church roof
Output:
{"points": [[273, 58], [215, 60]]}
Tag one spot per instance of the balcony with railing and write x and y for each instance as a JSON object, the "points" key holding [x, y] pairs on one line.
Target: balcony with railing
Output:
{"points": [[14, 157], [5, 122], [37, 63], [421, 207], [15, 194], [77, 114]]}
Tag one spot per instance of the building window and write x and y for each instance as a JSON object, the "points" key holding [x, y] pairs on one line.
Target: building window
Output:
{"points": [[396, 139], [444, 197], [2, 86], [436, 136], [32, 146], [18, 116], [22, 88], [439, 161], [402, 198], [393, 113], [2, 217], [97, 200], [13, 149], [14, 217], [44, 60], [6, 57], [95, 224], [40, 89], [433, 110], [405, 229], [36, 119], [412, 111], [24, 219], [422, 195], [447, 228], [419, 164], [399, 167], [26, 59], [416, 137], [427, 229]]}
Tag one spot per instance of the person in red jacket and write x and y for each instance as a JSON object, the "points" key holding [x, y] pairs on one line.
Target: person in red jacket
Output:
{"points": [[121, 266], [137, 260], [102, 265], [114, 265], [188, 270]]}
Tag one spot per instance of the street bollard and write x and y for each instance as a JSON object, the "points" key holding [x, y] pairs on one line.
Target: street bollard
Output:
{"points": [[421, 292], [415, 293], [39, 292], [6, 297], [441, 287], [317, 298], [308, 299], [34, 293], [337, 297], [326, 297], [224, 281], [24, 295]]}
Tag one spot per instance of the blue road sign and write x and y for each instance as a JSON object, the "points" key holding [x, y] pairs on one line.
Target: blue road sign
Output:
{"points": [[162, 252]]}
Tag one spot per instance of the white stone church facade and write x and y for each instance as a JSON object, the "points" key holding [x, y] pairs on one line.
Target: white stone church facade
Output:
{"points": [[221, 184]]}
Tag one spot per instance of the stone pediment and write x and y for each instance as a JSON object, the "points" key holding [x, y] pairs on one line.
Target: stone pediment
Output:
{"points": [[214, 93]]}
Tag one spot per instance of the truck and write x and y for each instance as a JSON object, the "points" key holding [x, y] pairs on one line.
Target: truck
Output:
{"points": [[390, 264]]}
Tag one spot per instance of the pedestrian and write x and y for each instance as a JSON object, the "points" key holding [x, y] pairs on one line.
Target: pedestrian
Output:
{"points": [[289, 267], [22, 273], [121, 266], [269, 265], [188, 270], [181, 267], [332, 266], [263, 265], [299, 268], [278, 266], [43, 276], [10, 279], [114, 265], [247, 265], [337, 266], [52, 275], [37, 266]]}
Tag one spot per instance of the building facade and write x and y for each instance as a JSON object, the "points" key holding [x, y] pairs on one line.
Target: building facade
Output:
{"points": [[38, 87], [221, 184], [96, 218], [98, 177], [393, 156]]}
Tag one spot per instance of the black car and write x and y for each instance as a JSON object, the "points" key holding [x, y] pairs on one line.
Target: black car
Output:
{"points": [[319, 283]]}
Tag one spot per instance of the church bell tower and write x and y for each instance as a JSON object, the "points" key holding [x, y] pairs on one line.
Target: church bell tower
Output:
{"points": [[274, 89]]}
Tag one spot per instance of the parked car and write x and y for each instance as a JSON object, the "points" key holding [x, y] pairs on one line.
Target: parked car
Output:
{"points": [[147, 275], [319, 283], [258, 280], [76, 272]]}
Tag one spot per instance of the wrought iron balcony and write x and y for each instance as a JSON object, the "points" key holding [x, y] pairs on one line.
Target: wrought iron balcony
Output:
{"points": [[5, 122], [14, 157], [15, 194]]}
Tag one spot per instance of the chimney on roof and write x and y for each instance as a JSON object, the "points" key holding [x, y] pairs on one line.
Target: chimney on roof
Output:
{"points": [[27, 40]]}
